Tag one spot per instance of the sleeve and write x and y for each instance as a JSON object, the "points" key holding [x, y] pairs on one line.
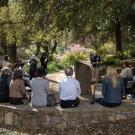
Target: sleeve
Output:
{"points": [[99, 59], [78, 89], [91, 59], [60, 89], [8, 80], [104, 87], [23, 89]]}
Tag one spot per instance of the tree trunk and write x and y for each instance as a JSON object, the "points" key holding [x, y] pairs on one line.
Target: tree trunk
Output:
{"points": [[38, 49], [12, 52], [118, 35], [4, 43]]}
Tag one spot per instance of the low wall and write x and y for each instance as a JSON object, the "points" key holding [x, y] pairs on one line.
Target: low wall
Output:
{"points": [[84, 120]]}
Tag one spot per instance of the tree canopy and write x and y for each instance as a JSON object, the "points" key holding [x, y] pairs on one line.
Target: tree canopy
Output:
{"points": [[25, 22]]}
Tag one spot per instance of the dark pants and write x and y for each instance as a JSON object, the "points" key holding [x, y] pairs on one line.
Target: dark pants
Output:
{"points": [[15, 101], [106, 104], [69, 103], [125, 80], [6, 99]]}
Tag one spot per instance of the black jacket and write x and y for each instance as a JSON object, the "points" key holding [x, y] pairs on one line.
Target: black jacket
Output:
{"points": [[4, 86]]}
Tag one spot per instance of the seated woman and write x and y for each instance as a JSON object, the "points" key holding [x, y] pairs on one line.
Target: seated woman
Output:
{"points": [[4, 84], [17, 91], [112, 89], [40, 88], [69, 90]]}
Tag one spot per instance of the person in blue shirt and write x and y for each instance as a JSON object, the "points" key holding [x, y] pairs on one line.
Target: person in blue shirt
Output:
{"points": [[113, 89]]}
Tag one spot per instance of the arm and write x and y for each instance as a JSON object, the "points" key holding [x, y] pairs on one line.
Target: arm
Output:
{"points": [[47, 87], [78, 89], [104, 88], [122, 87], [22, 88], [59, 89], [99, 59]]}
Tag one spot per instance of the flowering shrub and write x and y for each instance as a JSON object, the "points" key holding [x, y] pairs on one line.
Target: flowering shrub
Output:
{"points": [[75, 53], [75, 48]]}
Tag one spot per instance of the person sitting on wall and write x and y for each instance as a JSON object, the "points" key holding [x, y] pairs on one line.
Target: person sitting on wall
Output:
{"points": [[69, 90], [126, 74], [113, 89], [40, 88], [6, 61], [5, 79], [17, 90]]}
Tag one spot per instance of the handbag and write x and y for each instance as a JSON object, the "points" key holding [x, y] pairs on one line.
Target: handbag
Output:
{"points": [[51, 100]]}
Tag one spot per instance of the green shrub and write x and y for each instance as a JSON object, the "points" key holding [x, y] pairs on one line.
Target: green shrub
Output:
{"points": [[53, 67], [71, 58], [111, 60]]}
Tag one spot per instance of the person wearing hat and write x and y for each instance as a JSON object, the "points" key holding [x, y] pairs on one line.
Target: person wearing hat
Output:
{"points": [[40, 88]]}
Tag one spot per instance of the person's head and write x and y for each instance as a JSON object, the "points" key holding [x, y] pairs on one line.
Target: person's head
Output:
{"points": [[126, 64], [18, 74], [112, 74], [6, 58], [16, 66], [21, 64], [41, 72], [33, 60], [69, 71], [5, 70]]}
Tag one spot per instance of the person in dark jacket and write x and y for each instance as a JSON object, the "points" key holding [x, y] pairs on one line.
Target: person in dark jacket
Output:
{"points": [[95, 61], [113, 89], [4, 84], [44, 60], [33, 68]]}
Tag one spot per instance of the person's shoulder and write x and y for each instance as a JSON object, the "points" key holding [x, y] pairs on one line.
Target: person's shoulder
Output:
{"points": [[63, 80], [45, 80], [76, 81]]}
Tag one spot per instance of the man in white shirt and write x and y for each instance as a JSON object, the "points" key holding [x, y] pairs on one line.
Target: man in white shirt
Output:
{"points": [[69, 90]]}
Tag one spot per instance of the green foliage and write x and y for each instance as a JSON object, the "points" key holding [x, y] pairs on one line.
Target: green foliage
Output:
{"points": [[53, 67], [1, 51], [107, 48], [71, 58], [111, 60]]}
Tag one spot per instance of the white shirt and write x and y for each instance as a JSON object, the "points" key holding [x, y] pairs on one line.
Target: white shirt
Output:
{"points": [[126, 72], [69, 88], [5, 63]]}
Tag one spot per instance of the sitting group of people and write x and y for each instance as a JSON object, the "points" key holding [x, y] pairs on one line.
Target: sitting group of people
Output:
{"points": [[114, 85], [13, 90]]}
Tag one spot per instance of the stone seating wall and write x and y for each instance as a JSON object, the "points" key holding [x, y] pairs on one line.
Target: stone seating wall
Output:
{"points": [[84, 120]]}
